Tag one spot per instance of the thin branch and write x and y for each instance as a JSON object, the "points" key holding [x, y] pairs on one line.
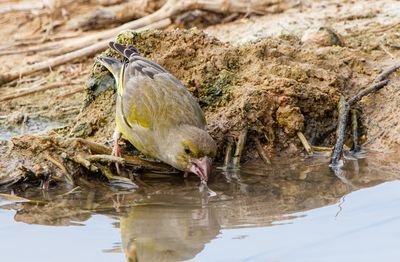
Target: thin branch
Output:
{"points": [[385, 74], [343, 108], [375, 87], [129, 160]]}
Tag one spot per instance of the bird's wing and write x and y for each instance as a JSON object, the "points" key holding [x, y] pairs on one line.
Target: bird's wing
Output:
{"points": [[153, 98]]}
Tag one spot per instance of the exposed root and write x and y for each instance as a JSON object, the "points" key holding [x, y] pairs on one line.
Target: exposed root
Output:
{"points": [[354, 127], [261, 152], [344, 107], [239, 148], [305, 143], [60, 166], [322, 148]]}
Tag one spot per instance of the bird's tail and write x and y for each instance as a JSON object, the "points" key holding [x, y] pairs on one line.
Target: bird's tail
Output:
{"points": [[127, 52]]}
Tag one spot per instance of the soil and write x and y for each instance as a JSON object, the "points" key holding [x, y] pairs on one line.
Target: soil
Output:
{"points": [[276, 75]]}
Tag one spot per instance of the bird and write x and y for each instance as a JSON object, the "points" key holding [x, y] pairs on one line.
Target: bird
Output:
{"points": [[158, 115]]}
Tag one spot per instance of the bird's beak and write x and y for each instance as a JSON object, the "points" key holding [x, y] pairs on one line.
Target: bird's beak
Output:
{"points": [[201, 167]]}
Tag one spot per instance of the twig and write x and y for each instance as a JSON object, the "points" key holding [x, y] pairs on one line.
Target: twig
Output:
{"points": [[354, 127], [239, 148], [261, 152], [343, 108], [322, 148], [305, 143], [60, 166], [84, 162], [129, 160], [380, 82], [89, 50], [36, 90], [375, 87], [93, 146], [105, 159], [385, 74]]}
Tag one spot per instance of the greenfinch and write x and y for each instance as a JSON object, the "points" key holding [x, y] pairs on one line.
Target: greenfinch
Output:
{"points": [[158, 115]]}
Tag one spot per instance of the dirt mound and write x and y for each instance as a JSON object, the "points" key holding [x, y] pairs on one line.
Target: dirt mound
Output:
{"points": [[274, 87]]}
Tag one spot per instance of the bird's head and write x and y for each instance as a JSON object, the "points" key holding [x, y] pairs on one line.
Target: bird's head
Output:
{"points": [[191, 149]]}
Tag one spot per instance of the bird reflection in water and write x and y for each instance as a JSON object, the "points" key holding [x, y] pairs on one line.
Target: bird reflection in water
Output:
{"points": [[159, 233]]}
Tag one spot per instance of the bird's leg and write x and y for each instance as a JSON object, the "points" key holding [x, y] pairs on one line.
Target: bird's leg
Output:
{"points": [[117, 148]]}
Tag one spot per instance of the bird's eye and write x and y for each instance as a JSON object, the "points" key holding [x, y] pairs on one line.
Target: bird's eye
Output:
{"points": [[187, 150]]}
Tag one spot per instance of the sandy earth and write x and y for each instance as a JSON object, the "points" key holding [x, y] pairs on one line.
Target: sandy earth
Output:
{"points": [[257, 72]]}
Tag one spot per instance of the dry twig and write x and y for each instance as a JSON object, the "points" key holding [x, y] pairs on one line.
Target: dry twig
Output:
{"points": [[91, 44], [344, 107], [89, 50], [129, 160]]}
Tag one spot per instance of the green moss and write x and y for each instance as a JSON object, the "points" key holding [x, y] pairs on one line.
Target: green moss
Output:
{"points": [[145, 41], [217, 91], [101, 79], [127, 37], [231, 60]]}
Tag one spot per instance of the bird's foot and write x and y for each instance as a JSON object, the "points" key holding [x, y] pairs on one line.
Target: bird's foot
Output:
{"points": [[117, 149]]}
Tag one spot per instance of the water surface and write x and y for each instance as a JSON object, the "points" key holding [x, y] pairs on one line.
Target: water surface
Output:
{"points": [[295, 210]]}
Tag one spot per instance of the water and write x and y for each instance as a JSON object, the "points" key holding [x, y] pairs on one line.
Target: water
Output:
{"points": [[293, 211], [33, 125]]}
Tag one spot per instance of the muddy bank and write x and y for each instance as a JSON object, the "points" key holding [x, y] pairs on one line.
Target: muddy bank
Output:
{"points": [[275, 87]]}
